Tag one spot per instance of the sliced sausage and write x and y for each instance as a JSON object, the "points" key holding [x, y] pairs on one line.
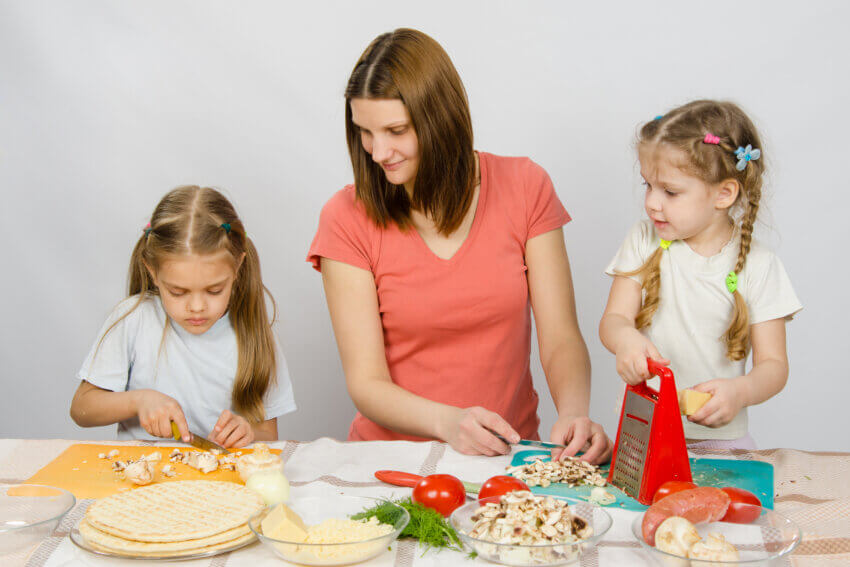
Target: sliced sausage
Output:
{"points": [[697, 505]]}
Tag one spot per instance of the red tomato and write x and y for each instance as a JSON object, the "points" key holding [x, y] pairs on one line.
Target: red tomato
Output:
{"points": [[442, 492], [499, 485], [744, 508], [671, 487]]}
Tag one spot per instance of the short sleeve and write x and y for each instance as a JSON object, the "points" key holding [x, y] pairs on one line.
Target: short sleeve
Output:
{"points": [[634, 251], [544, 209], [279, 399], [109, 361], [769, 293], [343, 233]]}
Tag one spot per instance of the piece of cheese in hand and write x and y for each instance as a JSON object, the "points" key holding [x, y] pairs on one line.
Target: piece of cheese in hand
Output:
{"points": [[690, 401], [284, 524]]}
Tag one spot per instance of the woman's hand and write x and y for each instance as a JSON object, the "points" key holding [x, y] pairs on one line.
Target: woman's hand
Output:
{"points": [[632, 352], [156, 411], [579, 433], [727, 399], [470, 432], [232, 430]]}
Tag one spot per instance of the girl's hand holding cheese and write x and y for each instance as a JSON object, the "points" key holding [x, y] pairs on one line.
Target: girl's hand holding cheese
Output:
{"points": [[693, 281], [193, 343], [727, 399]]}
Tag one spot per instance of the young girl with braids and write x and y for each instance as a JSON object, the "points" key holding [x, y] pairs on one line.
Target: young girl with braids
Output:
{"points": [[193, 343], [692, 287]]}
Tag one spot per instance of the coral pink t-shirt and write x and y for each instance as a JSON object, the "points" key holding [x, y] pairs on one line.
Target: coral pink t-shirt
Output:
{"points": [[456, 331]]}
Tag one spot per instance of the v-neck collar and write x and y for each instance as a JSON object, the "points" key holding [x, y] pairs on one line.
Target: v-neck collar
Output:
{"points": [[476, 219]]}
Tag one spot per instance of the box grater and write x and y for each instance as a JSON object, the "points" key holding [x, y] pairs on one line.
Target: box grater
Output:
{"points": [[650, 448]]}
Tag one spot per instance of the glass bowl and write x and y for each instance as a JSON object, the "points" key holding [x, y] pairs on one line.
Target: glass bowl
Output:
{"points": [[763, 542], [524, 555], [316, 509], [29, 513]]}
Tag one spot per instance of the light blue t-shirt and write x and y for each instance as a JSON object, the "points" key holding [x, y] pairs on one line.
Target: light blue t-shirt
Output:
{"points": [[146, 350]]}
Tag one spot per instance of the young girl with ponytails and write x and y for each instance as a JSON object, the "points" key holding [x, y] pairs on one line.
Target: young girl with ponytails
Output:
{"points": [[193, 343], [692, 287]]}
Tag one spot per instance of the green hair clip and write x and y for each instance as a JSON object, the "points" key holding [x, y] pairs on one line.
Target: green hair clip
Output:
{"points": [[665, 244], [226, 227], [732, 282]]}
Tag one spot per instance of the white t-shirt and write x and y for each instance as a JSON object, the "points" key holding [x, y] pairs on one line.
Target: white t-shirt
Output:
{"points": [[198, 371], [695, 308]]}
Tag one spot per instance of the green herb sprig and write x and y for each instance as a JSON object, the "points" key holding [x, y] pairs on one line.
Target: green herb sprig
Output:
{"points": [[426, 525]]}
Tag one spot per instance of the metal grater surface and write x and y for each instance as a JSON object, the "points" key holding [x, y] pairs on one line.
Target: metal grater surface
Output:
{"points": [[634, 437]]}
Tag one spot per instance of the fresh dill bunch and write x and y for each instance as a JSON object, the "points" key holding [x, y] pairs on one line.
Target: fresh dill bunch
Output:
{"points": [[426, 525]]}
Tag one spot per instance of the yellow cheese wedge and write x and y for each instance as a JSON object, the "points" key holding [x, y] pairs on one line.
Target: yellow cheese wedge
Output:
{"points": [[284, 524], [690, 401]]}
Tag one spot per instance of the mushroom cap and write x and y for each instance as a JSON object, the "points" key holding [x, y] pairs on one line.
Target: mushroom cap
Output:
{"points": [[676, 535]]}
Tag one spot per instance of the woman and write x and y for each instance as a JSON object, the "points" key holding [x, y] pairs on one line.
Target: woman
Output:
{"points": [[429, 263]]}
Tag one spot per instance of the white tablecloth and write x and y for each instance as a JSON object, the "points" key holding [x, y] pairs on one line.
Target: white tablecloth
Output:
{"points": [[821, 504]]}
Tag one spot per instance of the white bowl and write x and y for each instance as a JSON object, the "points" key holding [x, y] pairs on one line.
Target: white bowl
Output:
{"points": [[29, 513], [315, 510], [761, 543], [525, 555]]}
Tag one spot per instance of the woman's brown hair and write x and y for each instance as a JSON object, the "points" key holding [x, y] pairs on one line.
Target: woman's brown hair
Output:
{"points": [[410, 66], [685, 128], [200, 220]]}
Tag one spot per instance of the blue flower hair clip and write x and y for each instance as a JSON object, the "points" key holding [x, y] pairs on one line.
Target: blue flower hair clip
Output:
{"points": [[744, 155]]}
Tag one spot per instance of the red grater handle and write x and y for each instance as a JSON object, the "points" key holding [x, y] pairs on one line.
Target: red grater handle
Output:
{"points": [[658, 369], [667, 391], [655, 369]]}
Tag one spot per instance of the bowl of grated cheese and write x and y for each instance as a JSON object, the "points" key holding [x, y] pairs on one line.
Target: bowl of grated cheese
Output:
{"points": [[318, 530]]}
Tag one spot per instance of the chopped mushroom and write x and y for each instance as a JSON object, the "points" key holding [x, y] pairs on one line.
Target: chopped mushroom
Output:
{"points": [[601, 496], [571, 471], [676, 535], [522, 518], [714, 548], [140, 472], [203, 461]]}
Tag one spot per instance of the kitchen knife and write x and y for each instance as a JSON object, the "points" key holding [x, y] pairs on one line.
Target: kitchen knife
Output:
{"points": [[198, 441], [530, 443]]}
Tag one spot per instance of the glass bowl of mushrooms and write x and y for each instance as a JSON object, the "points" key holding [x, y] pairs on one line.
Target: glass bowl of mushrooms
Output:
{"points": [[764, 541], [521, 528]]}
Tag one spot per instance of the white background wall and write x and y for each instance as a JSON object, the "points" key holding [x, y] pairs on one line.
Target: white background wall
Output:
{"points": [[104, 106]]}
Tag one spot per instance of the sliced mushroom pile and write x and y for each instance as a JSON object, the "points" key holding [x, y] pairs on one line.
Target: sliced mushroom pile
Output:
{"points": [[521, 518], [571, 471], [205, 461]]}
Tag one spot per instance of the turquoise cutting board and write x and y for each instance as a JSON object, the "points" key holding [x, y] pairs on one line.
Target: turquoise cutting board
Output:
{"points": [[755, 476]]}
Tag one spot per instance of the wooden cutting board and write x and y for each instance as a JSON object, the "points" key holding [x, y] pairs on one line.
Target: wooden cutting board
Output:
{"points": [[79, 470]]}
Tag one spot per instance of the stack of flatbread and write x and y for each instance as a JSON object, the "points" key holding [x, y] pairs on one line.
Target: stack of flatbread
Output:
{"points": [[171, 519]]}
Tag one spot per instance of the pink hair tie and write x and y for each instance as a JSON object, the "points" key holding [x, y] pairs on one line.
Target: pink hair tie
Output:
{"points": [[711, 139]]}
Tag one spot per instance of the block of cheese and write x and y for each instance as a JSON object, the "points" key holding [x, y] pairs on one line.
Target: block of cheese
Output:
{"points": [[690, 401], [284, 524]]}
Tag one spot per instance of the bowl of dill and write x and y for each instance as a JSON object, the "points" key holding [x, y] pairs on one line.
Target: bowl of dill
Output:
{"points": [[427, 526]]}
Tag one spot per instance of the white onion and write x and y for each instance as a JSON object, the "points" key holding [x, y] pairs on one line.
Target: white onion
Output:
{"points": [[272, 486]]}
